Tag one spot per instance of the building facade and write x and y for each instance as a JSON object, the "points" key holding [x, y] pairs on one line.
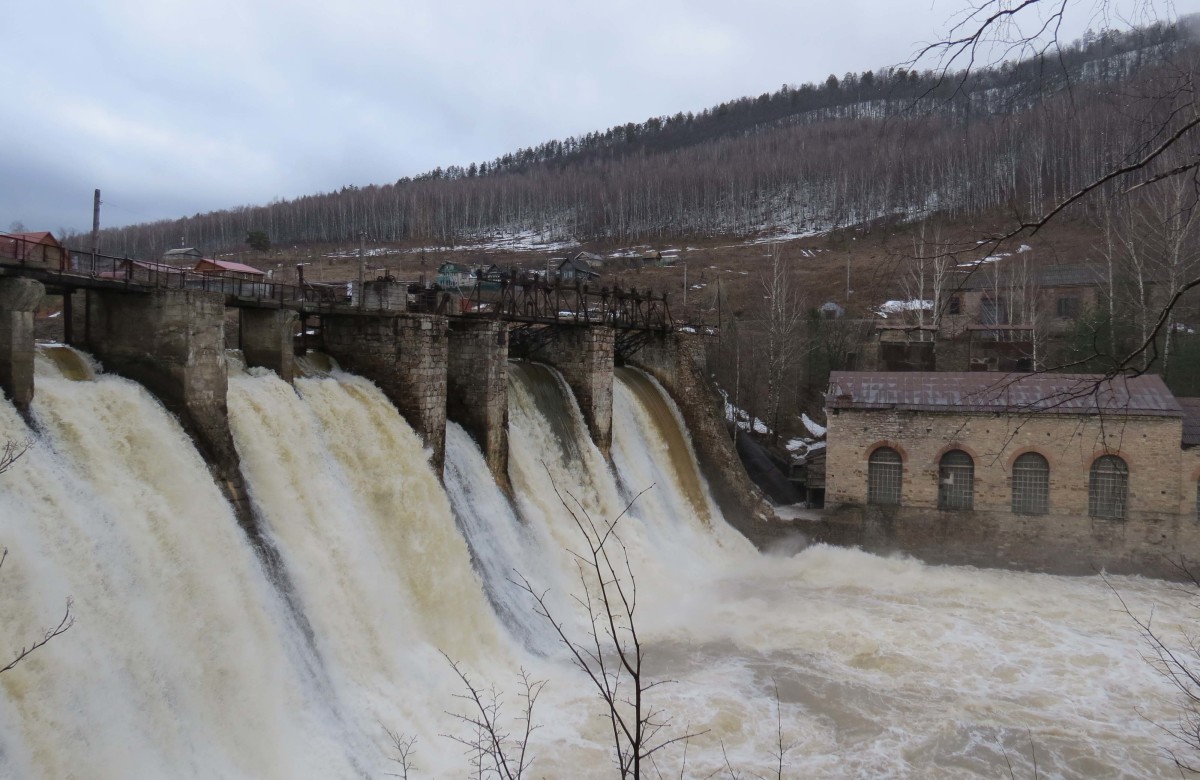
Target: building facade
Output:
{"points": [[1051, 472]]}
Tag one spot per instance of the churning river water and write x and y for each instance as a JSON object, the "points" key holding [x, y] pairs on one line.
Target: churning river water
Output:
{"points": [[191, 658]]}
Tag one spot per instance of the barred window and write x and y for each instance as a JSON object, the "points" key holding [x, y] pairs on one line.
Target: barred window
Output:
{"points": [[884, 472], [956, 481], [1108, 488], [1030, 485], [1068, 307]]}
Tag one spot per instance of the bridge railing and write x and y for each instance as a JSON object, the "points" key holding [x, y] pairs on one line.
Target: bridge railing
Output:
{"points": [[530, 298], [73, 267], [514, 297]]}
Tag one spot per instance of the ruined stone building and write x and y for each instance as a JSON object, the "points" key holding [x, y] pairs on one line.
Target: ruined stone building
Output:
{"points": [[1066, 473]]}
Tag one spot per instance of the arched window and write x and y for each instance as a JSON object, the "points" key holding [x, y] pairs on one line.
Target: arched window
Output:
{"points": [[956, 481], [884, 472], [1030, 485], [1108, 488]]}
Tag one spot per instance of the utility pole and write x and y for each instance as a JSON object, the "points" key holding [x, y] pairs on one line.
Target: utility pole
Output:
{"points": [[848, 276], [95, 228], [362, 260]]}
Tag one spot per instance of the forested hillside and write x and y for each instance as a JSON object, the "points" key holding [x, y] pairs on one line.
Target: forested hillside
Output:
{"points": [[803, 159]]}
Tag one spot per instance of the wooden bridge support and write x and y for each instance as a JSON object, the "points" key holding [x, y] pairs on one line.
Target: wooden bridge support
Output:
{"points": [[584, 356], [173, 343], [477, 383], [406, 355], [268, 339], [18, 298]]}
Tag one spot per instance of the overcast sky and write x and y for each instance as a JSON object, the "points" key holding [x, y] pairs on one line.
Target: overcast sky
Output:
{"points": [[174, 107]]}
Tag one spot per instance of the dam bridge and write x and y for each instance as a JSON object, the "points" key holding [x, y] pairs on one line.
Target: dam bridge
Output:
{"points": [[435, 356]]}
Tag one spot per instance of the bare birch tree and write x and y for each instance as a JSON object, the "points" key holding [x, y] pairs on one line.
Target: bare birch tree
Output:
{"points": [[785, 314]]}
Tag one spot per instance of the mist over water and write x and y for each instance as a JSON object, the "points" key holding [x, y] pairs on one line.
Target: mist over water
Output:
{"points": [[186, 660]]}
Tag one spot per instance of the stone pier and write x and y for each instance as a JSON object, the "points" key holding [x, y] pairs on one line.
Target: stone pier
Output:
{"points": [[405, 354], [268, 340], [18, 298], [679, 362], [173, 343], [584, 356], [477, 381]]}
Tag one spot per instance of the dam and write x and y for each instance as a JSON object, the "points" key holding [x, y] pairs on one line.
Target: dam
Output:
{"points": [[287, 644]]}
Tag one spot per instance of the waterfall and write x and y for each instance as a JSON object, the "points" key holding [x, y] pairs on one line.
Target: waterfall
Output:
{"points": [[188, 660], [182, 660]]}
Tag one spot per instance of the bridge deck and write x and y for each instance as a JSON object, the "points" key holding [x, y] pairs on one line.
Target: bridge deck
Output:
{"points": [[518, 299]]}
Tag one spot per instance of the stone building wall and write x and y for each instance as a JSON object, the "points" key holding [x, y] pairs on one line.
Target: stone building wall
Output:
{"points": [[1069, 442], [406, 355], [1054, 543], [1160, 524], [1189, 484]]}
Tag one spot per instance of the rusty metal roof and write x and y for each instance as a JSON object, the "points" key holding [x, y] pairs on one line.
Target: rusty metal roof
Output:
{"points": [[1191, 421], [986, 277], [981, 391], [208, 265]]}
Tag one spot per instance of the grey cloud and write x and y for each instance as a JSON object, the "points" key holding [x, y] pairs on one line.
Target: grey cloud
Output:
{"points": [[180, 107]]}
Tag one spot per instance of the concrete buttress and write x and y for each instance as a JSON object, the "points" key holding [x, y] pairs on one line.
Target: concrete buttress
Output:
{"points": [[584, 356], [173, 343], [268, 340], [18, 299], [477, 384], [405, 354]]}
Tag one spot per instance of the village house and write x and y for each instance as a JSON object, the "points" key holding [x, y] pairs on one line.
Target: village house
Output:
{"points": [[1065, 473], [452, 276], [182, 257], [39, 247], [999, 316], [228, 269], [576, 269], [1008, 293]]}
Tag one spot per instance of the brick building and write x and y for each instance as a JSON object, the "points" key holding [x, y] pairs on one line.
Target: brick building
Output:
{"points": [[1013, 294], [1053, 472]]}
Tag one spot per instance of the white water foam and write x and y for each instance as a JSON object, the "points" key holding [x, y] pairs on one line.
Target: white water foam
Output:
{"points": [[185, 661]]}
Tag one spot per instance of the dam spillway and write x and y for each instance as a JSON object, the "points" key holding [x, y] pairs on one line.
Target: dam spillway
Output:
{"points": [[191, 657]]}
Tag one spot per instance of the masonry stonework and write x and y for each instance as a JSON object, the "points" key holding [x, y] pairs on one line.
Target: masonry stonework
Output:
{"points": [[477, 384], [173, 343], [18, 299], [1160, 526], [406, 355], [678, 361], [584, 356]]}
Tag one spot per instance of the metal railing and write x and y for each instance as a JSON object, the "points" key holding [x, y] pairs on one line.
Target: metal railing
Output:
{"points": [[514, 297]]}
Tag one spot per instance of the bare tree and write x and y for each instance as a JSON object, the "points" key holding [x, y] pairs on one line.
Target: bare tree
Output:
{"points": [[491, 747], [404, 746], [1177, 659], [1159, 144], [927, 272], [11, 453], [785, 313], [611, 653]]}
